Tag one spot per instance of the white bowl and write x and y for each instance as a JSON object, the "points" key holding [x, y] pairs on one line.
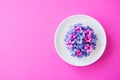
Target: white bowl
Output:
{"points": [[64, 53]]}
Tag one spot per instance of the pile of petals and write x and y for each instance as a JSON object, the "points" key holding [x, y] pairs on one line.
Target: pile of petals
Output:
{"points": [[80, 40]]}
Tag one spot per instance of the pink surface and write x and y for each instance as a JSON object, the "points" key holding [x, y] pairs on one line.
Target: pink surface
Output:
{"points": [[27, 29]]}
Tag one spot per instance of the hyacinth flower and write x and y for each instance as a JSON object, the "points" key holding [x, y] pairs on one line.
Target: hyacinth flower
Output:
{"points": [[69, 44], [88, 31], [80, 40], [78, 53], [88, 38], [88, 48]]}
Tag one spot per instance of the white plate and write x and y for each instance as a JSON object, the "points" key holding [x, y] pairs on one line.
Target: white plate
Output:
{"points": [[64, 53]]}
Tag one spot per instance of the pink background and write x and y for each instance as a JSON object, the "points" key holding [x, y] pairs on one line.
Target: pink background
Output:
{"points": [[27, 29]]}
